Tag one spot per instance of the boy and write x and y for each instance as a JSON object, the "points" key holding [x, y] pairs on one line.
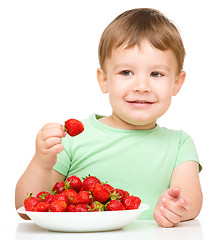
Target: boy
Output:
{"points": [[141, 58]]}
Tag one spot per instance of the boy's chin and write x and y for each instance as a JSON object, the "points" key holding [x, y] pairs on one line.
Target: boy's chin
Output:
{"points": [[141, 124]]}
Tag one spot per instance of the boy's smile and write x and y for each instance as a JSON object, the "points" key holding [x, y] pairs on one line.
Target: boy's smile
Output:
{"points": [[140, 83]]}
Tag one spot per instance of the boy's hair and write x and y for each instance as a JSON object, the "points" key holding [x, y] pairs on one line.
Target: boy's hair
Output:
{"points": [[133, 26]]}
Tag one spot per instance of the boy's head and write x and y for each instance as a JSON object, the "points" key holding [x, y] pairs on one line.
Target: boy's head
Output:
{"points": [[141, 57], [130, 28]]}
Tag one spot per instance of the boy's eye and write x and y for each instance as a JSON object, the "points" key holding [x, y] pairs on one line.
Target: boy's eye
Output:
{"points": [[126, 73], [156, 74]]}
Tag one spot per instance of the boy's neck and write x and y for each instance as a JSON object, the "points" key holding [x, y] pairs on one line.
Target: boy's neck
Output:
{"points": [[115, 122]]}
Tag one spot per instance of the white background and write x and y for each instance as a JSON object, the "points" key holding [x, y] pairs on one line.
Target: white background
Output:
{"points": [[48, 62]]}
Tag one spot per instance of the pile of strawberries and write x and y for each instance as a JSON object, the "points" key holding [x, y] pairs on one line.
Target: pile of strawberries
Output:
{"points": [[73, 195]]}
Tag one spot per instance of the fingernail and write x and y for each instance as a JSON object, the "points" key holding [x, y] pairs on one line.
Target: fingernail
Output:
{"points": [[163, 200], [181, 201], [161, 208]]}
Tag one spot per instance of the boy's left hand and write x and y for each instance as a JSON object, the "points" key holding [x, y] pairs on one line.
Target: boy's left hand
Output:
{"points": [[171, 207]]}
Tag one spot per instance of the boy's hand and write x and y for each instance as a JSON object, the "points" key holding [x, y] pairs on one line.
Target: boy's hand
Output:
{"points": [[48, 144], [171, 207]]}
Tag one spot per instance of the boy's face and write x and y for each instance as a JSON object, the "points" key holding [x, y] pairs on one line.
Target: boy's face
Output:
{"points": [[140, 83]]}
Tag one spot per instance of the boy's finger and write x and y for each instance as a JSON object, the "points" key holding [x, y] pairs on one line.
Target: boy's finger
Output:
{"points": [[173, 206], [163, 221], [50, 142], [184, 202], [171, 216], [52, 132], [174, 192], [54, 125]]}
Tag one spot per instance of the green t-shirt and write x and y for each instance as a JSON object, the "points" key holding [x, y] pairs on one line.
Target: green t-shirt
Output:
{"points": [[139, 161]]}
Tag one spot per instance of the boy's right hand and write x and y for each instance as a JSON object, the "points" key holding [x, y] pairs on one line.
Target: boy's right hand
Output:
{"points": [[48, 144]]}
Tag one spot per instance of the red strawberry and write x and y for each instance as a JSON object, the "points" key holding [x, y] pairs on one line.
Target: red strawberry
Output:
{"points": [[131, 202], [61, 197], [42, 207], [96, 206], [89, 183], [42, 194], [75, 183], [82, 189], [126, 193], [73, 127], [30, 203], [81, 208], [71, 208], [59, 187], [117, 194], [70, 193], [114, 205], [108, 186], [45, 196], [58, 206], [100, 193], [83, 197]]}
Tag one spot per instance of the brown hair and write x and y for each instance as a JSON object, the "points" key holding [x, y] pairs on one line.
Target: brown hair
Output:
{"points": [[133, 26]]}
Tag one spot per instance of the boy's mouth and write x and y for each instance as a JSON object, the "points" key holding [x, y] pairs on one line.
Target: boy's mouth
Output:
{"points": [[141, 102]]}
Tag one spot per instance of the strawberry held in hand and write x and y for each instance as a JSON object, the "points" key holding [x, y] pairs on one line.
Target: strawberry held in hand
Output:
{"points": [[73, 127]]}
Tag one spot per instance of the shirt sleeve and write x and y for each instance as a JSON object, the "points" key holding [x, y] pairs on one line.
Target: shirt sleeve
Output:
{"points": [[187, 150], [64, 158]]}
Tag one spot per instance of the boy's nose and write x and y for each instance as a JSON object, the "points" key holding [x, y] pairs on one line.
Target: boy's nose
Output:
{"points": [[142, 84]]}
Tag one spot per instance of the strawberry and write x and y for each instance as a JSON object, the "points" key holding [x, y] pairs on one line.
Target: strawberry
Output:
{"points": [[89, 183], [42, 194], [59, 187], [70, 193], [83, 197], [75, 183], [61, 197], [58, 206], [126, 193], [108, 186], [81, 208], [96, 206], [42, 207], [114, 205], [30, 202], [71, 208], [45, 196], [118, 194], [73, 127], [100, 193], [131, 202], [82, 189]]}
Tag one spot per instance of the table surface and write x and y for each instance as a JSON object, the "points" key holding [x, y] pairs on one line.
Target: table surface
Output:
{"points": [[190, 230]]}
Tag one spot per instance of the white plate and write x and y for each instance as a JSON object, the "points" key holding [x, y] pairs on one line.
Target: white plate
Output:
{"points": [[84, 221]]}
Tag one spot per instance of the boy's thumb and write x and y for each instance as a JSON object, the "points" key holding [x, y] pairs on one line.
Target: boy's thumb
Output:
{"points": [[174, 192]]}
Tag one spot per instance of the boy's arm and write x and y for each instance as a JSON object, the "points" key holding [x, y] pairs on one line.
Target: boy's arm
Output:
{"points": [[183, 200], [24, 187], [34, 180], [186, 177], [39, 175]]}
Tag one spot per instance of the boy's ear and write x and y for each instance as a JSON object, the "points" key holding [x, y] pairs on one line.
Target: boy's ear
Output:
{"points": [[179, 82], [102, 80]]}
